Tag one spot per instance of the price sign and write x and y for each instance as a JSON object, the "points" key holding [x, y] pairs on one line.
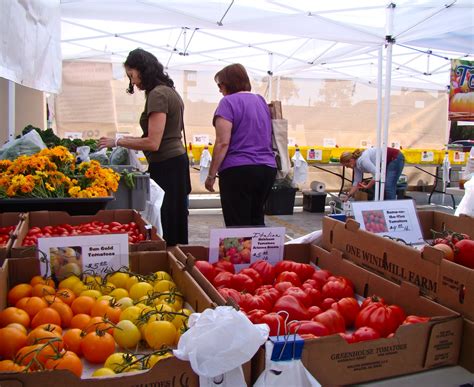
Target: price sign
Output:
{"points": [[242, 246], [314, 155], [427, 156], [392, 218], [76, 254], [201, 139]]}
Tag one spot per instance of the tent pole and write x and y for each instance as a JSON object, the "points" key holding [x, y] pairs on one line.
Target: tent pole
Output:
{"points": [[11, 110], [379, 123], [270, 75], [389, 41]]}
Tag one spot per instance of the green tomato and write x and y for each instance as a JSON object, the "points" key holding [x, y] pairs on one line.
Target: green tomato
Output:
{"points": [[126, 334]]}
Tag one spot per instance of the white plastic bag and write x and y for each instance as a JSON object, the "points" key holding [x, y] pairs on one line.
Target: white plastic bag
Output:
{"points": [[300, 170], [466, 206], [219, 341], [28, 144], [134, 160], [284, 373], [82, 154], [204, 164], [152, 211]]}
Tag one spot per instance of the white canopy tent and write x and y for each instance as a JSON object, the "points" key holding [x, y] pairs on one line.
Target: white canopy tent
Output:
{"points": [[412, 40]]}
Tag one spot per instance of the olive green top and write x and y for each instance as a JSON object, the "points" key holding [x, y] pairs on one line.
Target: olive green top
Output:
{"points": [[165, 99]]}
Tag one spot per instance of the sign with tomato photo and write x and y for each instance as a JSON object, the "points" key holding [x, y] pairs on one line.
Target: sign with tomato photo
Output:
{"points": [[74, 255], [461, 91], [242, 246], [393, 218]]}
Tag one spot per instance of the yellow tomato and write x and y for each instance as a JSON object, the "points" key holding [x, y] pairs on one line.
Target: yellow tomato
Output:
{"points": [[119, 293], [105, 297], [132, 313], [106, 288], [139, 290], [164, 286], [91, 293], [103, 372], [69, 282], [119, 279], [159, 334], [130, 282], [126, 334], [162, 275], [125, 302], [79, 287], [121, 362], [173, 299], [181, 318], [155, 358]]}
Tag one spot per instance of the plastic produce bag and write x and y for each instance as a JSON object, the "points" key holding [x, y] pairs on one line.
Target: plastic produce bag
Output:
{"points": [[134, 159], [284, 373], [100, 156], [213, 352], [204, 164], [300, 171], [29, 144], [466, 206], [119, 156], [82, 154]]}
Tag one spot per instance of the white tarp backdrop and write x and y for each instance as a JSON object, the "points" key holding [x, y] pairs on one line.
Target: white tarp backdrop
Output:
{"points": [[30, 46]]}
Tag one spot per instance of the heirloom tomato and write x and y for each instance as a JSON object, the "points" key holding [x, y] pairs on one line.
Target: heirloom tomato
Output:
{"points": [[385, 319], [266, 271]]}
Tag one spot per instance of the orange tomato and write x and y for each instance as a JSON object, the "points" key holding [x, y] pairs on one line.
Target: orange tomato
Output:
{"points": [[18, 292], [105, 308], [66, 361], [32, 305], [65, 312], [82, 304], [37, 279], [98, 323], [72, 340], [42, 352], [52, 299], [41, 290], [447, 251], [17, 326], [14, 315], [45, 335], [52, 327], [97, 347], [10, 366], [46, 316], [80, 321], [12, 340], [66, 295]]}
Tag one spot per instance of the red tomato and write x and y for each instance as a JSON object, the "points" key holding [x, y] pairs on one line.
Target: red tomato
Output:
{"points": [[364, 334], [464, 253], [243, 283], [321, 277], [349, 308], [276, 322], [300, 294], [206, 269], [385, 319], [284, 265], [252, 273], [314, 311], [371, 300], [268, 291], [256, 315], [337, 289], [332, 320], [266, 271], [223, 265], [282, 286], [312, 327], [249, 302], [230, 293], [347, 336], [295, 309], [288, 276], [314, 294], [222, 279], [415, 320]]}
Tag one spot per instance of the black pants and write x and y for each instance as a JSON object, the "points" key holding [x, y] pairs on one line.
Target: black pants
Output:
{"points": [[244, 191], [172, 176]]}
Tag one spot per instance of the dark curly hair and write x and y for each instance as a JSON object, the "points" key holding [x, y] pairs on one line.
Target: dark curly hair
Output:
{"points": [[152, 72]]}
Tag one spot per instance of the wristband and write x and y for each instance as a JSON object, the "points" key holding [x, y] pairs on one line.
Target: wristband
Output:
{"points": [[211, 177]]}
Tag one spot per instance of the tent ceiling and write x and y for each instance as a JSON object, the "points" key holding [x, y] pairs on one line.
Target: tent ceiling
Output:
{"points": [[335, 39]]}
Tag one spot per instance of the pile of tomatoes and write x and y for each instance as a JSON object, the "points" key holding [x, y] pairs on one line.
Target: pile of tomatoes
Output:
{"points": [[293, 297], [55, 327], [5, 234], [91, 228], [457, 247]]}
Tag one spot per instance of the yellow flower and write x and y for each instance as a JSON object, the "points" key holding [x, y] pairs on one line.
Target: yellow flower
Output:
{"points": [[49, 187]]}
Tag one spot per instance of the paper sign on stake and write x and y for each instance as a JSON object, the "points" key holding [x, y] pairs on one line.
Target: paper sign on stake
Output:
{"points": [[242, 246], [75, 254], [392, 218]]}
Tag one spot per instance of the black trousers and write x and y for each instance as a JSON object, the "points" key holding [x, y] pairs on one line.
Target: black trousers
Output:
{"points": [[243, 192], [172, 176]]}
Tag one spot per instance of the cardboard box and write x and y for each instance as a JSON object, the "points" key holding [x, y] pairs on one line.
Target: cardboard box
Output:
{"points": [[169, 372], [332, 361], [9, 219], [53, 218]]}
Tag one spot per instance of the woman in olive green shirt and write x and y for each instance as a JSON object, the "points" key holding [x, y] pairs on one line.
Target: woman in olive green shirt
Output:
{"points": [[162, 123]]}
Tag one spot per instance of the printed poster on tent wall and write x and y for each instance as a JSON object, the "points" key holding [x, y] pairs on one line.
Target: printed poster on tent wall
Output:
{"points": [[461, 94]]}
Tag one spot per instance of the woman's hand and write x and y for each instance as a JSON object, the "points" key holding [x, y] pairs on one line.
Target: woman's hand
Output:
{"points": [[209, 183], [107, 142]]}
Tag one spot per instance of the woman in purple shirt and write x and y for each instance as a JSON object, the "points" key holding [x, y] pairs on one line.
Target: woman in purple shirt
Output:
{"points": [[243, 155]]}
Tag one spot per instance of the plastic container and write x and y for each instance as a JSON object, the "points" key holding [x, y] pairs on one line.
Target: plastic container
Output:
{"points": [[280, 201], [337, 152], [73, 206], [314, 201], [423, 156], [315, 154], [128, 198]]}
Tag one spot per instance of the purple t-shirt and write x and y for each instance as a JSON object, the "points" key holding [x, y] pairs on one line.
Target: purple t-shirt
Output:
{"points": [[251, 136]]}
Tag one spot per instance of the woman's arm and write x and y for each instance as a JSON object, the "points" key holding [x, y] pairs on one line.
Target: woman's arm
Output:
{"points": [[156, 128], [223, 132]]}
